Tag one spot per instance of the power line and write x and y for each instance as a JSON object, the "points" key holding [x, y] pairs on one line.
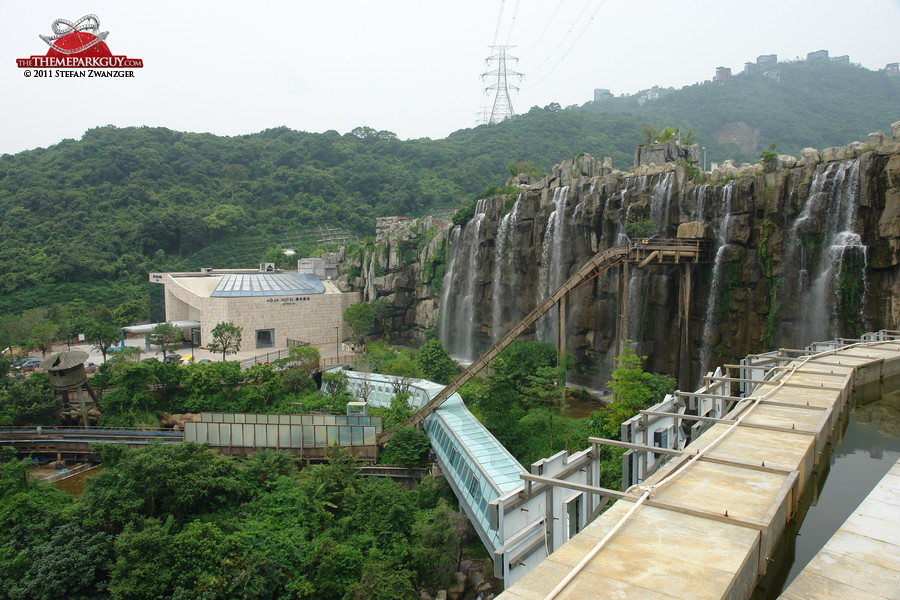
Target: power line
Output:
{"points": [[571, 47], [546, 27], [499, 20], [512, 22], [563, 38]]}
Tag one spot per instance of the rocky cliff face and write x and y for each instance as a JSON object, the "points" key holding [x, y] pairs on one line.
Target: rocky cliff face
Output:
{"points": [[807, 251]]}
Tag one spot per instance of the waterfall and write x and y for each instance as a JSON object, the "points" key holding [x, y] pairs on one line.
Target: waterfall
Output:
{"points": [[445, 328], [835, 267], [550, 275], [639, 297], [699, 212], [502, 262], [458, 318], [709, 322], [660, 201]]}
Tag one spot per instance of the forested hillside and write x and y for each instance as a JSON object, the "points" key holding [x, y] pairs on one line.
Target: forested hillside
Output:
{"points": [[800, 104], [88, 218]]}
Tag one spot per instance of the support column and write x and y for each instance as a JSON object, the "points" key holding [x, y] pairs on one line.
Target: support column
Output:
{"points": [[561, 333], [683, 360], [622, 309], [561, 342], [83, 407]]}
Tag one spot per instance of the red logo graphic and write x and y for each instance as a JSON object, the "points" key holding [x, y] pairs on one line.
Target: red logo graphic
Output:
{"points": [[78, 45]]}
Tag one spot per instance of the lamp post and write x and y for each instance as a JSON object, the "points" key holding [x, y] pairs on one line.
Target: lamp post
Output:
{"points": [[191, 335], [337, 340], [704, 158]]}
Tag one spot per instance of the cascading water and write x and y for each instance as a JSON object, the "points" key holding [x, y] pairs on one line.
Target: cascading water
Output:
{"points": [[709, 322], [639, 282], [445, 327], [699, 212], [837, 257], [660, 201], [502, 264], [551, 273], [458, 300]]}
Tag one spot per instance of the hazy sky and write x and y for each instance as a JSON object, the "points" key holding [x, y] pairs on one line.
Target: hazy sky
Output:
{"points": [[411, 67]]}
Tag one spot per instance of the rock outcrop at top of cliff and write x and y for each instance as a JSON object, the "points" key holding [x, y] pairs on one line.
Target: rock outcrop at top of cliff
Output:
{"points": [[808, 250]]}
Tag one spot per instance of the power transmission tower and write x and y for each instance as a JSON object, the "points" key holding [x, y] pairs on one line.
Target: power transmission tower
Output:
{"points": [[502, 107]]}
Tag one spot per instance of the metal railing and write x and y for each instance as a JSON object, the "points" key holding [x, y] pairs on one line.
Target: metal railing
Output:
{"points": [[271, 357]]}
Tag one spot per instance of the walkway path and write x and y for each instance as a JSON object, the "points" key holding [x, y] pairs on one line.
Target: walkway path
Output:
{"points": [[705, 526]]}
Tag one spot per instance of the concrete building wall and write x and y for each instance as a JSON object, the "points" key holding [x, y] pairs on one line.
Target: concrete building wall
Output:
{"points": [[308, 318]]}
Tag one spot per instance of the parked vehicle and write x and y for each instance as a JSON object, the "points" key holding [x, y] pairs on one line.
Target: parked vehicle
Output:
{"points": [[28, 362]]}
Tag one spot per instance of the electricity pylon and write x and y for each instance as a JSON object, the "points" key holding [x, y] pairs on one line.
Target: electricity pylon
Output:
{"points": [[502, 107]]}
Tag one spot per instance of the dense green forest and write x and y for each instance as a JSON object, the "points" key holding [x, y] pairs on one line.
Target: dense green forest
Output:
{"points": [[816, 105], [180, 521], [87, 219]]}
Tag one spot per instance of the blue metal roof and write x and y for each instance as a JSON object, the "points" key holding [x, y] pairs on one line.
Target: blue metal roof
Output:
{"points": [[267, 284]]}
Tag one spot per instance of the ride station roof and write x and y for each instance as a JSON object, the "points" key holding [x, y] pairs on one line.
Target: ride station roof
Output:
{"points": [[240, 285]]}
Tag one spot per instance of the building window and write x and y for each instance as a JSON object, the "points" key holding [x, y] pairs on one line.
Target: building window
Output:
{"points": [[265, 338]]}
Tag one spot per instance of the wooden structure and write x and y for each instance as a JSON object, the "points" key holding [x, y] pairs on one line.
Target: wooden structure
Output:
{"points": [[66, 371], [642, 253]]}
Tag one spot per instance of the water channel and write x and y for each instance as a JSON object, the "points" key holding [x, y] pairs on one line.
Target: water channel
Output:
{"points": [[864, 448]]}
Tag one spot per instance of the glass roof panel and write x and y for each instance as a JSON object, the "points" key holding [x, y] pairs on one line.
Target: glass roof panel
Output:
{"points": [[267, 284]]}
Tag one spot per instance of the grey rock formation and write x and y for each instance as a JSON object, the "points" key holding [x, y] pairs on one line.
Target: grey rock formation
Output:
{"points": [[812, 248], [669, 152]]}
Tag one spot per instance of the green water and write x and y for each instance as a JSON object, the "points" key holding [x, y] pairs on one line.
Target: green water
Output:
{"points": [[864, 449]]}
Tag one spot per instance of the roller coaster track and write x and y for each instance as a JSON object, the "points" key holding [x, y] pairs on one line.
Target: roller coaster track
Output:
{"points": [[644, 252]]}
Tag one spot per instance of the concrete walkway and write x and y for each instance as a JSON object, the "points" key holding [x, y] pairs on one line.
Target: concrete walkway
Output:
{"points": [[707, 523], [861, 560]]}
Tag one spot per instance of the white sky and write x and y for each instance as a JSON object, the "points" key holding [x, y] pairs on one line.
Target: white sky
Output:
{"points": [[409, 66]]}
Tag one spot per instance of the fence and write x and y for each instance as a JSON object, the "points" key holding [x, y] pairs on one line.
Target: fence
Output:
{"points": [[270, 357]]}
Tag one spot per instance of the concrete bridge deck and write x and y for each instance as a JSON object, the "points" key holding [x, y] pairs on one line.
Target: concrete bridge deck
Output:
{"points": [[861, 560], [706, 524]]}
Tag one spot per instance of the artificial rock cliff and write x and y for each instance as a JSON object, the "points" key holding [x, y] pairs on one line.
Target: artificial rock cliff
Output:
{"points": [[801, 250]]}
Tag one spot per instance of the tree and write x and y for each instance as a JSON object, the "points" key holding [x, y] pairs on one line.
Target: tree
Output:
{"points": [[650, 133], [183, 480], [527, 167], [28, 402], [435, 362], [408, 448], [633, 388], [335, 383], [211, 384], [167, 336], [306, 358], [402, 369], [226, 218], [398, 411], [360, 318], [437, 544], [263, 387], [72, 564], [103, 336], [383, 581], [43, 335], [364, 387], [264, 466], [769, 158], [226, 339]]}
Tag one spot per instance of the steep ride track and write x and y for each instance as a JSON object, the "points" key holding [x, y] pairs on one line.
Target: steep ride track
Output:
{"points": [[643, 252]]}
